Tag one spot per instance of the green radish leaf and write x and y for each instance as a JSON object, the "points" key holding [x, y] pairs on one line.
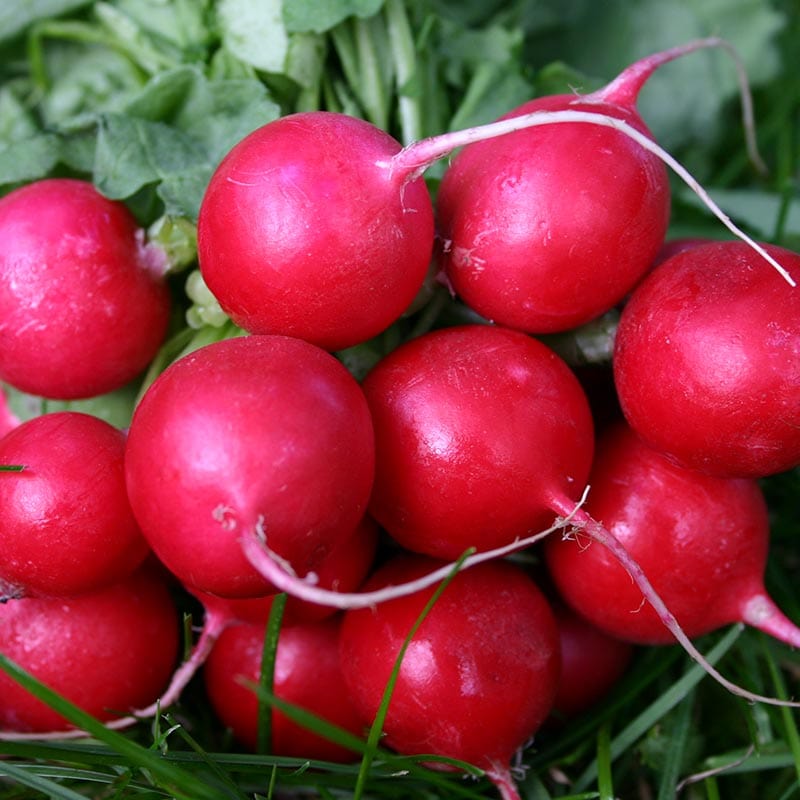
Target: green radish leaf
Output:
{"points": [[16, 16], [319, 16]]}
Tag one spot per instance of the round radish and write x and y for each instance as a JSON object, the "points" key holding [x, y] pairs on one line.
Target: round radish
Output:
{"points": [[307, 674], [266, 435], [107, 651], [83, 303], [478, 430], [546, 228], [479, 676], [701, 540], [591, 662], [302, 231], [705, 361], [67, 526]]}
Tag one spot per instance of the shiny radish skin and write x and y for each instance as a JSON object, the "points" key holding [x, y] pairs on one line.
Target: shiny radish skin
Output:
{"points": [[547, 228], [84, 305], [702, 542], [107, 651], [255, 434], [705, 361], [307, 674], [480, 674], [67, 526], [477, 430], [305, 231]]}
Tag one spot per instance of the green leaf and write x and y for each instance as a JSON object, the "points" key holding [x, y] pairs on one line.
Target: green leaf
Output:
{"points": [[254, 32], [16, 16], [133, 152], [29, 159], [682, 101], [322, 15]]}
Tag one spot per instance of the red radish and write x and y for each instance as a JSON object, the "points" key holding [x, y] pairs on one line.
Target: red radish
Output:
{"points": [[705, 361], [83, 302], [8, 419], [478, 430], [307, 674], [591, 662], [301, 232], [106, 651], [67, 526], [545, 229], [479, 676], [256, 434], [701, 540]]}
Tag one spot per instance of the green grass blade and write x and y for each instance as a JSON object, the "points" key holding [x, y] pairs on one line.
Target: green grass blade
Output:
{"points": [[789, 724], [605, 781], [25, 777], [181, 783], [267, 676], [679, 738]]}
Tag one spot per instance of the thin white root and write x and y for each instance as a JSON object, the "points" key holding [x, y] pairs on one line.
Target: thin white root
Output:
{"points": [[413, 160], [260, 556]]}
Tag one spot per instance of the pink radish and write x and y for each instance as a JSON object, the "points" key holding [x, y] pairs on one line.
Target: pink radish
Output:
{"points": [[107, 651], [701, 540], [67, 526], [479, 676], [83, 302], [301, 233], [591, 663], [705, 361], [264, 434], [478, 430], [8, 419], [307, 674], [547, 228]]}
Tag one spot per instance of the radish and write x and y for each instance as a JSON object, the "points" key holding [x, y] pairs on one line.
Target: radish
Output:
{"points": [[307, 674], [701, 540], [547, 228], [300, 232], [8, 419], [479, 676], [67, 526], [255, 434], [318, 225], [107, 651], [482, 434], [591, 663], [83, 302], [705, 361]]}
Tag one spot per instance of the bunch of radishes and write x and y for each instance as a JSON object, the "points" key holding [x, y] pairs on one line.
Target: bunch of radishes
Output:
{"points": [[260, 464]]}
